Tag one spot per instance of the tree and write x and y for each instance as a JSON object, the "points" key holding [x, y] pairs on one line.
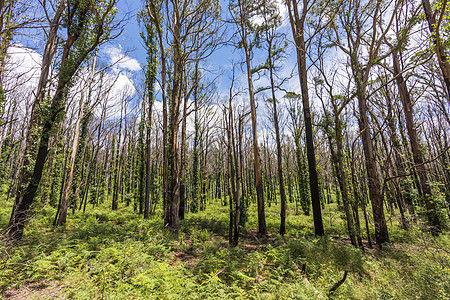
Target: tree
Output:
{"points": [[87, 25], [440, 10], [297, 22], [421, 169], [184, 21], [20, 209], [140, 170], [242, 13], [233, 166], [275, 47], [366, 15], [149, 38], [333, 125], [13, 17], [81, 117]]}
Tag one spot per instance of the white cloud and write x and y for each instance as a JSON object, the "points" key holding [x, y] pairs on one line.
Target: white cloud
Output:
{"points": [[20, 78], [124, 86], [23, 67], [121, 90], [121, 60], [23, 70]]}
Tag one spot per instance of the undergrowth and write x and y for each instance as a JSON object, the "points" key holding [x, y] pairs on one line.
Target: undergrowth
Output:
{"points": [[118, 255]]}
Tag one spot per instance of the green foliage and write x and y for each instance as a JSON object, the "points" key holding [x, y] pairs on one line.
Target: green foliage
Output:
{"points": [[441, 205], [2, 103], [303, 181], [117, 255], [5, 156], [195, 173], [140, 170], [243, 214]]}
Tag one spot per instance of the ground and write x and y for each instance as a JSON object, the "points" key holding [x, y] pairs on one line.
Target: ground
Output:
{"points": [[118, 255]]}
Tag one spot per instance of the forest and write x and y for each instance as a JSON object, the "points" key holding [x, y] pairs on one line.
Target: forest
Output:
{"points": [[225, 149]]}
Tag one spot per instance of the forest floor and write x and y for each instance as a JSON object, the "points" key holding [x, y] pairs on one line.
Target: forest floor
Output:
{"points": [[118, 255]]}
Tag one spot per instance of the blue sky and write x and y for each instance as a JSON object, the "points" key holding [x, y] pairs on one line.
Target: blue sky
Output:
{"points": [[131, 39], [219, 64]]}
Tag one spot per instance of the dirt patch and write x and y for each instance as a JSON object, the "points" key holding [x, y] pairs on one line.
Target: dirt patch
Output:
{"points": [[345, 241], [39, 290], [189, 260]]}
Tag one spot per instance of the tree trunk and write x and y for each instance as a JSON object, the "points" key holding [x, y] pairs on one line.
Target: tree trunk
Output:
{"points": [[343, 180], [381, 231], [26, 186], [231, 169], [74, 151], [183, 159], [262, 230], [297, 24], [443, 59], [172, 217], [148, 156], [415, 146], [399, 164], [279, 153]]}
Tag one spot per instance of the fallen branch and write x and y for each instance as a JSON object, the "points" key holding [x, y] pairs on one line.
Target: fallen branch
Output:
{"points": [[220, 271], [338, 284]]}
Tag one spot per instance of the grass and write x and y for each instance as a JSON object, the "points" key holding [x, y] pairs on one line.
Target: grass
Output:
{"points": [[118, 255]]}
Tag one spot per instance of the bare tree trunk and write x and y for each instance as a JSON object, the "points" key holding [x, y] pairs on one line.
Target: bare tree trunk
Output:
{"points": [[297, 27], [381, 231], [237, 196], [172, 217], [183, 157], [262, 230], [148, 157], [279, 153], [415, 146], [25, 194], [234, 171], [74, 150], [399, 164], [231, 169]]}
